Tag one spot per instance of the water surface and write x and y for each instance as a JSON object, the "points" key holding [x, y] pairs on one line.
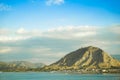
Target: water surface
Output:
{"points": [[55, 76]]}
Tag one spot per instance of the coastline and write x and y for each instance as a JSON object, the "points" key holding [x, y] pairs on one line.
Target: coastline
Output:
{"points": [[80, 71]]}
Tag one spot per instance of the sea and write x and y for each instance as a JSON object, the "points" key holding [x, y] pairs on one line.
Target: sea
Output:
{"points": [[55, 76]]}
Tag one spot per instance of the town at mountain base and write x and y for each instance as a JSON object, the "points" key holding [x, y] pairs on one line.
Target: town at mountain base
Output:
{"points": [[87, 59], [84, 60]]}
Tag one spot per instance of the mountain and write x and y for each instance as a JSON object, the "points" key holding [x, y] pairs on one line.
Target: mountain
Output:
{"points": [[3, 65], [85, 58], [25, 64], [19, 66]]}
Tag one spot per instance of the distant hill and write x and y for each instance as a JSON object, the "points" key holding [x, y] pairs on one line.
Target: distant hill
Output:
{"points": [[19, 65], [86, 58], [25, 64]]}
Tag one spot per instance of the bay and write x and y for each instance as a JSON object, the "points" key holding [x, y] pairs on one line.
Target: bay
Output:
{"points": [[55, 76]]}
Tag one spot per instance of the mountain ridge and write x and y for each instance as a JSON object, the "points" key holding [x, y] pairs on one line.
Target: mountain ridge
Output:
{"points": [[19, 66], [88, 58]]}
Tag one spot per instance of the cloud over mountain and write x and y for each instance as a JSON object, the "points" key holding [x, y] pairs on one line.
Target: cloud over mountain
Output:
{"points": [[36, 43]]}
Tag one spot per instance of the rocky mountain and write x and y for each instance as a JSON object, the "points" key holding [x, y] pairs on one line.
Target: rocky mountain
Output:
{"points": [[86, 58]]}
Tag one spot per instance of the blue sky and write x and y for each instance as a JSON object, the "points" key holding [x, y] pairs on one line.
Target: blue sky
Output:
{"points": [[46, 30], [39, 14]]}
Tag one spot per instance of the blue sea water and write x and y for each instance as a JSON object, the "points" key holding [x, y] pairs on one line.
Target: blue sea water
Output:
{"points": [[55, 76]]}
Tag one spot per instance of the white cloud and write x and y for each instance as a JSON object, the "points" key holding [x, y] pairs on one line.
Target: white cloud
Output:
{"points": [[83, 34], [46, 52], [63, 32], [5, 7], [5, 50], [54, 2], [72, 28], [34, 60], [70, 32], [20, 34], [40, 50], [4, 31], [13, 38], [49, 57], [66, 32], [21, 31], [50, 45], [7, 35], [54, 55], [115, 29], [46, 55], [32, 33]]}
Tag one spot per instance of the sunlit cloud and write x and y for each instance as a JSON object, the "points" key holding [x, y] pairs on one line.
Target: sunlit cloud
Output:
{"points": [[5, 50], [13, 38], [65, 32], [115, 29], [37, 45], [21, 31], [54, 2], [34, 60], [68, 32], [4, 31]]}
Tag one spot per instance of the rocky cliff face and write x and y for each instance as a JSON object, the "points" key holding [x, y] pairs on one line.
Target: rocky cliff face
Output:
{"points": [[88, 57]]}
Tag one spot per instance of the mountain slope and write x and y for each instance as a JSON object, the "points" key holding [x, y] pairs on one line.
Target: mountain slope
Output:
{"points": [[88, 57], [19, 66], [25, 64]]}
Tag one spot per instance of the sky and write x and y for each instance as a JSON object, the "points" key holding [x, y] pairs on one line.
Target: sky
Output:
{"points": [[46, 30]]}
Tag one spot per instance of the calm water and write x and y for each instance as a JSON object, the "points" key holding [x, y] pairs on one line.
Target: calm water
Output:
{"points": [[56, 76]]}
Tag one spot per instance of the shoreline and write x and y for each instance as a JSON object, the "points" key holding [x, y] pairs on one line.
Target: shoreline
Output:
{"points": [[80, 71]]}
